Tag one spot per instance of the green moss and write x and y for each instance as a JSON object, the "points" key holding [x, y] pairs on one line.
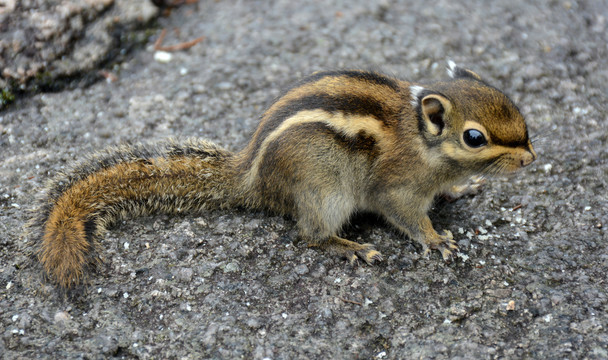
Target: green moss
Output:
{"points": [[44, 81], [6, 97]]}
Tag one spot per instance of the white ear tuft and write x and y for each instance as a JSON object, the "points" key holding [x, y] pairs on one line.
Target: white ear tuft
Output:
{"points": [[415, 91], [451, 68]]}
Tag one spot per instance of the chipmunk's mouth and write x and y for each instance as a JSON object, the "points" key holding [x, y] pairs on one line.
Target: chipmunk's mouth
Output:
{"points": [[529, 156]]}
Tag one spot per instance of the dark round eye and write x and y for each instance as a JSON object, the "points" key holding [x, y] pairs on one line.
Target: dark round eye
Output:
{"points": [[474, 138]]}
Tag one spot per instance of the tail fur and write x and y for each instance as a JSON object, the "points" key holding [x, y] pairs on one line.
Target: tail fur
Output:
{"points": [[125, 181]]}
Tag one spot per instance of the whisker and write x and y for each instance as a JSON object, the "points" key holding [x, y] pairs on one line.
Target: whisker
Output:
{"points": [[541, 134], [496, 167], [493, 168], [536, 138]]}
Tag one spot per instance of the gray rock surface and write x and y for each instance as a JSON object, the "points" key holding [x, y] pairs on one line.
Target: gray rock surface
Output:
{"points": [[531, 278], [49, 45]]}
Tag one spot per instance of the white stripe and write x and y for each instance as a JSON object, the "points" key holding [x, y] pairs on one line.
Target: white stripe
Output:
{"points": [[451, 68], [349, 125], [415, 91]]}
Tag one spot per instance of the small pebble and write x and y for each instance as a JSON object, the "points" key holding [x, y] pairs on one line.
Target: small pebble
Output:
{"points": [[163, 57], [61, 317], [301, 269]]}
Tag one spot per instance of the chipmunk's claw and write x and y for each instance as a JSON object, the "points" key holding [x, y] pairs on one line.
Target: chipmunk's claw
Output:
{"points": [[351, 250], [445, 244], [370, 254], [365, 252]]}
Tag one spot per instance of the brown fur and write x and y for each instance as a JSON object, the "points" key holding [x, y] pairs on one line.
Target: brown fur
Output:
{"points": [[336, 143]]}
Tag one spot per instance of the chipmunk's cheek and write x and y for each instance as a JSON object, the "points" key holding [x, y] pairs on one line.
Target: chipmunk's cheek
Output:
{"points": [[463, 155]]}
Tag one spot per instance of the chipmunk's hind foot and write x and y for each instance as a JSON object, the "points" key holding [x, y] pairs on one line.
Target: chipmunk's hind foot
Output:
{"points": [[351, 250], [445, 244]]}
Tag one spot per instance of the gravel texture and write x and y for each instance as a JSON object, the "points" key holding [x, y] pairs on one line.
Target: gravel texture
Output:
{"points": [[530, 281]]}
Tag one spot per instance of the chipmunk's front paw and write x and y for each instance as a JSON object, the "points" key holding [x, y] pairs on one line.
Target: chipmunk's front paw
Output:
{"points": [[472, 187], [444, 243]]}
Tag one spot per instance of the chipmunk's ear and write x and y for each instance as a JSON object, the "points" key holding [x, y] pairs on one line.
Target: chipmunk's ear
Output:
{"points": [[456, 72], [432, 107]]}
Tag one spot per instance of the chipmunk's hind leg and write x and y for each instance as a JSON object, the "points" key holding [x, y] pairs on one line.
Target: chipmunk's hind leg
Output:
{"points": [[319, 228]]}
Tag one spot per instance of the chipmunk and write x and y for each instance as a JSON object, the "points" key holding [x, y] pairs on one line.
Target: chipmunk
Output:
{"points": [[336, 143]]}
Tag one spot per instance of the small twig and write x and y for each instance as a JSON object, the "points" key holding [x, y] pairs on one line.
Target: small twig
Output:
{"points": [[181, 46], [350, 301], [517, 207], [160, 39]]}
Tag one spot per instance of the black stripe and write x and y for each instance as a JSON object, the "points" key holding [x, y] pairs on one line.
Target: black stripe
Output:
{"points": [[309, 134], [367, 76], [511, 144], [361, 142], [310, 138], [361, 75], [190, 150], [90, 228], [347, 104]]}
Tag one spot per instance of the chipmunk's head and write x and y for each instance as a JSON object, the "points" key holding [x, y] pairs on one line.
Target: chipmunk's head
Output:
{"points": [[472, 125]]}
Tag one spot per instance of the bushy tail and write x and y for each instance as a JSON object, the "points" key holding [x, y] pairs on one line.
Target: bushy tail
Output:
{"points": [[125, 181]]}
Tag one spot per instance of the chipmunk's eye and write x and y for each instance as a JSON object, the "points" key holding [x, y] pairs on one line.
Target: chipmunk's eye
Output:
{"points": [[474, 138]]}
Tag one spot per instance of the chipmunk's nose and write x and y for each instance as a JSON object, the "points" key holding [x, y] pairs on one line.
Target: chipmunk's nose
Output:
{"points": [[528, 157]]}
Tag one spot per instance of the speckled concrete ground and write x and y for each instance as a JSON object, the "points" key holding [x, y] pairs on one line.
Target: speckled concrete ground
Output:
{"points": [[531, 281]]}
